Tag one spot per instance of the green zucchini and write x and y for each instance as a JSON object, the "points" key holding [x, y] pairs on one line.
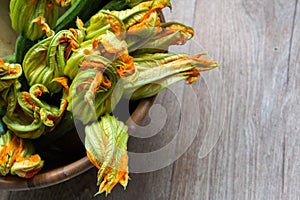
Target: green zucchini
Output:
{"points": [[23, 44], [66, 125], [83, 9], [112, 5], [3, 128], [116, 5]]}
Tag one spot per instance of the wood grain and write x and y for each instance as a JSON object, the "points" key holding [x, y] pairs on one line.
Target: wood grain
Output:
{"points": [[290, 116], [252, 41], [257, 154], [7, 36]]}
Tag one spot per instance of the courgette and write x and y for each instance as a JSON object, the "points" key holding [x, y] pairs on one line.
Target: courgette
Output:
{"points": [[112, 5], [116, 5], [67, 124], [23, 44], [83, 9], [3, 127]]}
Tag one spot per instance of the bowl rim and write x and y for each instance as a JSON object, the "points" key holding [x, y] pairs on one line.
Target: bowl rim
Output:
{"points": [[66, 172]]}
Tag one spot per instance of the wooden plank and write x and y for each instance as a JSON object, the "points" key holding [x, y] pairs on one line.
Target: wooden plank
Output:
{"points": [[77, 188], [183, 12], [290, 115], [252, 40], [8, 35], [187, 169], [4, 195]]}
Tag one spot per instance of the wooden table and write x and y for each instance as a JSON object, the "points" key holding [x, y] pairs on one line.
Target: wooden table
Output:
{"points": [[249, 107]]}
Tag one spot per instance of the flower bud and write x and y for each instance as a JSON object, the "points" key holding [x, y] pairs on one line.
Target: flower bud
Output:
{"points": [[155, 72], [93, 91], [46, 60], [106, 145], [17, 157], [24, 12], [9, 73], [32, 116], [27, 164]]}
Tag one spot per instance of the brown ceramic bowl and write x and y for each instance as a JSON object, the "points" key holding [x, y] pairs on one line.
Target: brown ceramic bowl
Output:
{"points": [[66, 158]]}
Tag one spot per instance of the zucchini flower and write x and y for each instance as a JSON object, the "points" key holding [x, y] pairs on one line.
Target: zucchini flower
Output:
{"points": [[106, 146], [9, 150], [140, 16], [143, 31], [9, 98], [101, 23], [23, 14], [73, 63], [92, 91], [9, 73], [27, 164], [32, 116], [46, 60], [9, 86], [107, 45], [17, 157], [171, 33], [141, 25], [155, 72]]}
